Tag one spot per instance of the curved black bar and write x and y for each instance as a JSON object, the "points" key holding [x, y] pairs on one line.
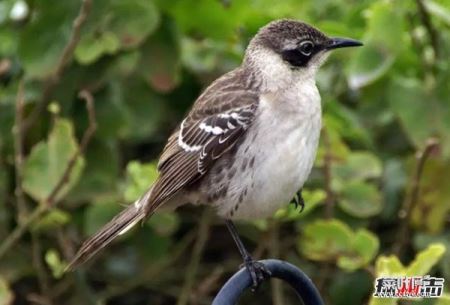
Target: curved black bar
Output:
{"points": [[235, 286]]}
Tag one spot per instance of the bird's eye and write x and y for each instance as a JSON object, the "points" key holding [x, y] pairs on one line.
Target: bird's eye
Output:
{"points": [[306, 47]]}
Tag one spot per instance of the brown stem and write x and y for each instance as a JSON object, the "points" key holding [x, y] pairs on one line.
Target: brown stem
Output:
{"points": [[274, 250], [327, 162], [18, 132], [66, 56], [411, 201], [50, 201], [206, 286], [43, 280], [147, 276], [191, 271], [87, 96]]}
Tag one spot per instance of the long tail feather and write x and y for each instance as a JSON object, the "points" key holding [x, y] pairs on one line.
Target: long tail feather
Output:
{"points": [[117, 226]]}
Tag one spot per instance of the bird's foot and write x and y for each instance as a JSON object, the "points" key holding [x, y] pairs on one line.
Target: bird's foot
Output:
{"points": [[298, 201], [258, 272]]}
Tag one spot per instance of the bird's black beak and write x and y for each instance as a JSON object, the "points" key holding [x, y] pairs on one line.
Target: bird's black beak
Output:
{"points": [[337, 42]]}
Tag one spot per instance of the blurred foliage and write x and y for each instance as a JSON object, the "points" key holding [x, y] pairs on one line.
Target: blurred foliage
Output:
{"points": [[377, 202]]}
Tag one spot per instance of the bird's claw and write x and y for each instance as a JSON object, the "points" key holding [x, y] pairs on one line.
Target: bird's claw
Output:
{"points": [[258, 272], [298, 201]]}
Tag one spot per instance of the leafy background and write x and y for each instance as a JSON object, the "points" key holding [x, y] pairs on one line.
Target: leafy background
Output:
{"points": [[377, 202]]}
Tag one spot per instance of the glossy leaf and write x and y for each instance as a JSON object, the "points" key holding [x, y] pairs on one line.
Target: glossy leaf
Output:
{"points": [[115, 25], [55, 264], [381, 46], [333, 240], [6, 295], [47, 162], [52, 221], [360, 199], [43, 40], [140, 178], [359, 165], [425, 260], [160, 64]]}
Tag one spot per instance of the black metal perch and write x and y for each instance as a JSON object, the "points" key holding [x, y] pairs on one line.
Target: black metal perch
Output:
{"points": [[302, 284]]}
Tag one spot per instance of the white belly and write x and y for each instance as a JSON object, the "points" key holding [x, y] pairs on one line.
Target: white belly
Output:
{"points": [[284, 149]]}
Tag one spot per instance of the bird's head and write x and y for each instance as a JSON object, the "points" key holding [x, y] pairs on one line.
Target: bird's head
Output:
{"points": [[289, 49]]}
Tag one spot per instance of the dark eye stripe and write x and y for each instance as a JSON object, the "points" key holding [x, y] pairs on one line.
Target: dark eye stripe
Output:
{"points": [[300, 56], [295, 57]]}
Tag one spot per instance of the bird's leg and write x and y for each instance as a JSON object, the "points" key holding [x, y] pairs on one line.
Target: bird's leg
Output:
{"points": [[298, 200], [258, 272]]}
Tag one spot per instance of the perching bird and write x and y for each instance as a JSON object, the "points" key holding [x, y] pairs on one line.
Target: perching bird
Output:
{"points": [[249, 142]]}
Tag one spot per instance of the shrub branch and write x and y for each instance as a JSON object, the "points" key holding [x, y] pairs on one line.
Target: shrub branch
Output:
{"points": [[51, 201]]}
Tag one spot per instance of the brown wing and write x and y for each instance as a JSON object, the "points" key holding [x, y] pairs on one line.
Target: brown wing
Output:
{"points": [[218, 119]]}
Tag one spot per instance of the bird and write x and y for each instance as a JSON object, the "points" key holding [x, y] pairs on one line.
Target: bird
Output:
{"points": [[247, 145]]}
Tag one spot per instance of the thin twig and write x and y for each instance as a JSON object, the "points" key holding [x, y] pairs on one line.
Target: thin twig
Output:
{"points": [[66, 56], [274, 250], [19, 136], [411, 201], [191, 271], [326, 268], [206, 286], [148, 275], [44, 283], [37, 299], [51, 200], [87, 96], [426, 21], [327, 162]]}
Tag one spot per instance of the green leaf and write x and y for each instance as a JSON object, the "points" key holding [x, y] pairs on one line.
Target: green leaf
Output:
{"points": [[425, 260], [380, 46], [93, 47], [55, 263], [389, 266], [48, 161], [423, 240], [52, 221], [325, 240], [443, 300], [43, 39], [383, 301], [160, 60], [415, 108], [368, 65], [99, 179], [433, 204], [360, 199], [333, 240], [139, 179], [365, 245], [116, 25], [438, 10], [144, 111], [359, 165], [217, 21], [6, 295]]}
